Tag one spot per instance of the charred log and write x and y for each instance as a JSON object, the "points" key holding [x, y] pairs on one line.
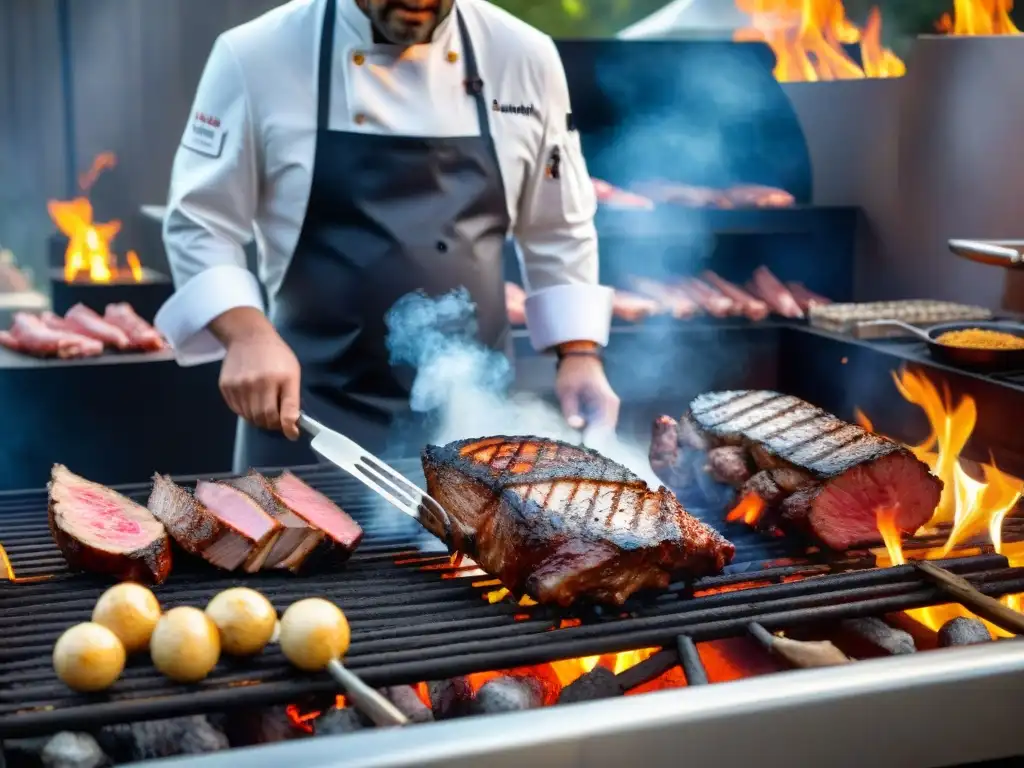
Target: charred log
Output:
{"points": [[598, 683], [963, 631], [451, 698], [264, 725], [338, 721], [408, 702], [151, 740], [881, 635], [508, 694]]}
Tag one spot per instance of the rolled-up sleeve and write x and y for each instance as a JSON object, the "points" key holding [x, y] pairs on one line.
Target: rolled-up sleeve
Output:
{"points": [[210, 212], [555, 229]]}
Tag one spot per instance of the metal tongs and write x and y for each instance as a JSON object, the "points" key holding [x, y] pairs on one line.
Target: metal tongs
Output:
{"points": [[376, 475]]}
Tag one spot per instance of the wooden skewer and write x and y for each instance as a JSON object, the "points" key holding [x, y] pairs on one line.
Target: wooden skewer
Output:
{"points": [[986, 607]]}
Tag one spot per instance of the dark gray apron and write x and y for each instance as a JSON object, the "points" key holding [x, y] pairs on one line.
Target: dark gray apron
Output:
{"points": [[387, 215]]}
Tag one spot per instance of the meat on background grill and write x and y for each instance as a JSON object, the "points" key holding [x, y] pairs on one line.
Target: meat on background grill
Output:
{"points": [[745, 304], [673, 300], [560, 522], [817, 475], [85, 321], [710, 300], [81, 333], [99, 530], [776, 295]]}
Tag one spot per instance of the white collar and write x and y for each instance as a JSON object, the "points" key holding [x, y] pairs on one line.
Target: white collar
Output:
{"points": [[351, 16]]}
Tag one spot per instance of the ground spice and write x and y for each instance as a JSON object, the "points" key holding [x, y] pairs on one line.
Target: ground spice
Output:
{"points": [[981, 338]]}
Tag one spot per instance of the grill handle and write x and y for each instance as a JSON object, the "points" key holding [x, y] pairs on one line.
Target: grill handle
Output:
{"points": [[381, 711], [308, 425], [986, 252]]}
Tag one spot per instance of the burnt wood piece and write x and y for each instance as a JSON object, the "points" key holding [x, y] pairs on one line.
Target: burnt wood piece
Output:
{"points": [[508, 694], [451, 698], [73, 750], [408, 702], [963, 631], [560, 522], [881, 635], [852, 473], [260, 725], [336, 721], [598, 683], [23, 753], [154, 739]]}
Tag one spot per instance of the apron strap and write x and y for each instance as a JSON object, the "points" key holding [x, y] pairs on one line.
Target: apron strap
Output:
{"points": [[474, 85], [323, 106]]}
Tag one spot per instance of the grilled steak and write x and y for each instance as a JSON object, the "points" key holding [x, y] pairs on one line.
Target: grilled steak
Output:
{"points": [[99, 530], [560, 522], [297, 540], [319, 512], [839, 474], [220, 524]]}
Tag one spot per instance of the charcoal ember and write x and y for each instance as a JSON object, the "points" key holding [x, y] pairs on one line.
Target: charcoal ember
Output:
{"points": [[878, 633], [24, 753], [508, 694], [265, 725], [963, 631], [764, 486], [336, 721], [73, 750], [598, 683], [154, 739], [451, 698], [408, 702]]}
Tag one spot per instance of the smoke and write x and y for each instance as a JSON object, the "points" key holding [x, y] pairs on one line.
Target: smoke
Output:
{"points": [[464, 385]]}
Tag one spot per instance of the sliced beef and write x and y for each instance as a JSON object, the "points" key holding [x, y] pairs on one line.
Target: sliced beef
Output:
{"points": [[85, 321], [319, 511], [99, 530], [240, 514], [560, 522], [223, 535], [297, 540], [845, 473]]}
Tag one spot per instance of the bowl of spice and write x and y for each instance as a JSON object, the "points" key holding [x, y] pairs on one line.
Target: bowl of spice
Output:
{"points": [[986, 346]]}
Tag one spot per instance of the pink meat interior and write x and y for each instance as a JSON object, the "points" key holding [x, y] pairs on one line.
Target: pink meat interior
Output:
{"points": [[108, 518], [236, 509], [317, 510], [845, 513]]}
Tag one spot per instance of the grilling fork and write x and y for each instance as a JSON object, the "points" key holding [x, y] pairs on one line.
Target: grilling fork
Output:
{"points": [[374, 473]]}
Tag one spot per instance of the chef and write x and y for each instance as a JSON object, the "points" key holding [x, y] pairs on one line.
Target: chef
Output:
{"points": [[374, 148]]}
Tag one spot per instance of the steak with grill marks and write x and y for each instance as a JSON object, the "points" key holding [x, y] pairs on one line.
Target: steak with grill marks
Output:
{"points": [[560, 522], [838, 474], [99, 530]]}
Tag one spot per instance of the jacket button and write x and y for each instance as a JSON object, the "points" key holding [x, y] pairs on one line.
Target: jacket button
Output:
{"points": [[452, 57], [442, 246], [360, 118], [358, 59]]}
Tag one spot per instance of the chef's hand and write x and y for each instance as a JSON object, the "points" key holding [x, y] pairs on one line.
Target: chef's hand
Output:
{"points": [[260, 375], [586, 396]]}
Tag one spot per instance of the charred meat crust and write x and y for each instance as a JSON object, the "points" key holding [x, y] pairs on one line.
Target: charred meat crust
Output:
{"points": [[560, 522], [150, 563], [188, 522]]}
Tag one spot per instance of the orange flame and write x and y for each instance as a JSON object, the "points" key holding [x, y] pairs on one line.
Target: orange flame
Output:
{"points": [[979, 17], [862, 420], [89, 255], [748, 510], [808, 39], [969, 505]]}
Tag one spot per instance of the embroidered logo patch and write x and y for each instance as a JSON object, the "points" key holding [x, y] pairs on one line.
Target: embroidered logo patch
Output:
{"points": [[204, 135], [553, 169], [513, 109]]}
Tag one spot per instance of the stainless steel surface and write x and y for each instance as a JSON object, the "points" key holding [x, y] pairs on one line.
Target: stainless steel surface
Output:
{"points": [[1006, 254], [936, 708], [364, 698], [911, 329], [348, 455]]}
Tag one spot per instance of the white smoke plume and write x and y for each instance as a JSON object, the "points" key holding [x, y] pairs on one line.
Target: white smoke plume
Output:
{"points": [[466, 385]]}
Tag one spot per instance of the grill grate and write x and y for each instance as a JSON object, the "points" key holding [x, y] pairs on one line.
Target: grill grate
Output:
{"points": [[414, 616]]}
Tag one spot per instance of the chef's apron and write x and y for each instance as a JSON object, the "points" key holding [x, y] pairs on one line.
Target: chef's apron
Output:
{"points": [[387, 215]]}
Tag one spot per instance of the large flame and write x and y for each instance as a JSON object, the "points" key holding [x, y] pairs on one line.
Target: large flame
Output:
{"points": [[979, 17], [809, 38], [971, 506], [89, 255]]}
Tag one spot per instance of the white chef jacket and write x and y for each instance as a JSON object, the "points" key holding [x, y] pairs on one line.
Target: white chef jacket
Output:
{"points": [[245, 163]]}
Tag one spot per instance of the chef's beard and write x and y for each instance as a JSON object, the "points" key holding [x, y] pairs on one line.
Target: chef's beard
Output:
{"points": [[402, 31]]}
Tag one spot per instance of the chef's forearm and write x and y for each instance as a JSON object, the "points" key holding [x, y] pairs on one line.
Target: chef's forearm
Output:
{"points": [[239, 324]]}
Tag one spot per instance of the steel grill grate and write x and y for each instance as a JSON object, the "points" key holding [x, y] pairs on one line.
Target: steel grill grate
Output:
{"points": [[409, 623]]}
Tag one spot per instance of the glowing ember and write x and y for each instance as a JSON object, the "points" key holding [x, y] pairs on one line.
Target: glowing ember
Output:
{"points": [[808, 39], [88, 255], [971, 506], [979, 17], [748, 510]]}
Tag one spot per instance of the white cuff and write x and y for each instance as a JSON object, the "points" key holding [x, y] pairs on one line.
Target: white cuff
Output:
{"points": [[577, 312], [183, 317]]}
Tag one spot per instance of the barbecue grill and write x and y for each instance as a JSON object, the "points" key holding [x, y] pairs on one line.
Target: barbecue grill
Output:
{"points": [[418, 616]]}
